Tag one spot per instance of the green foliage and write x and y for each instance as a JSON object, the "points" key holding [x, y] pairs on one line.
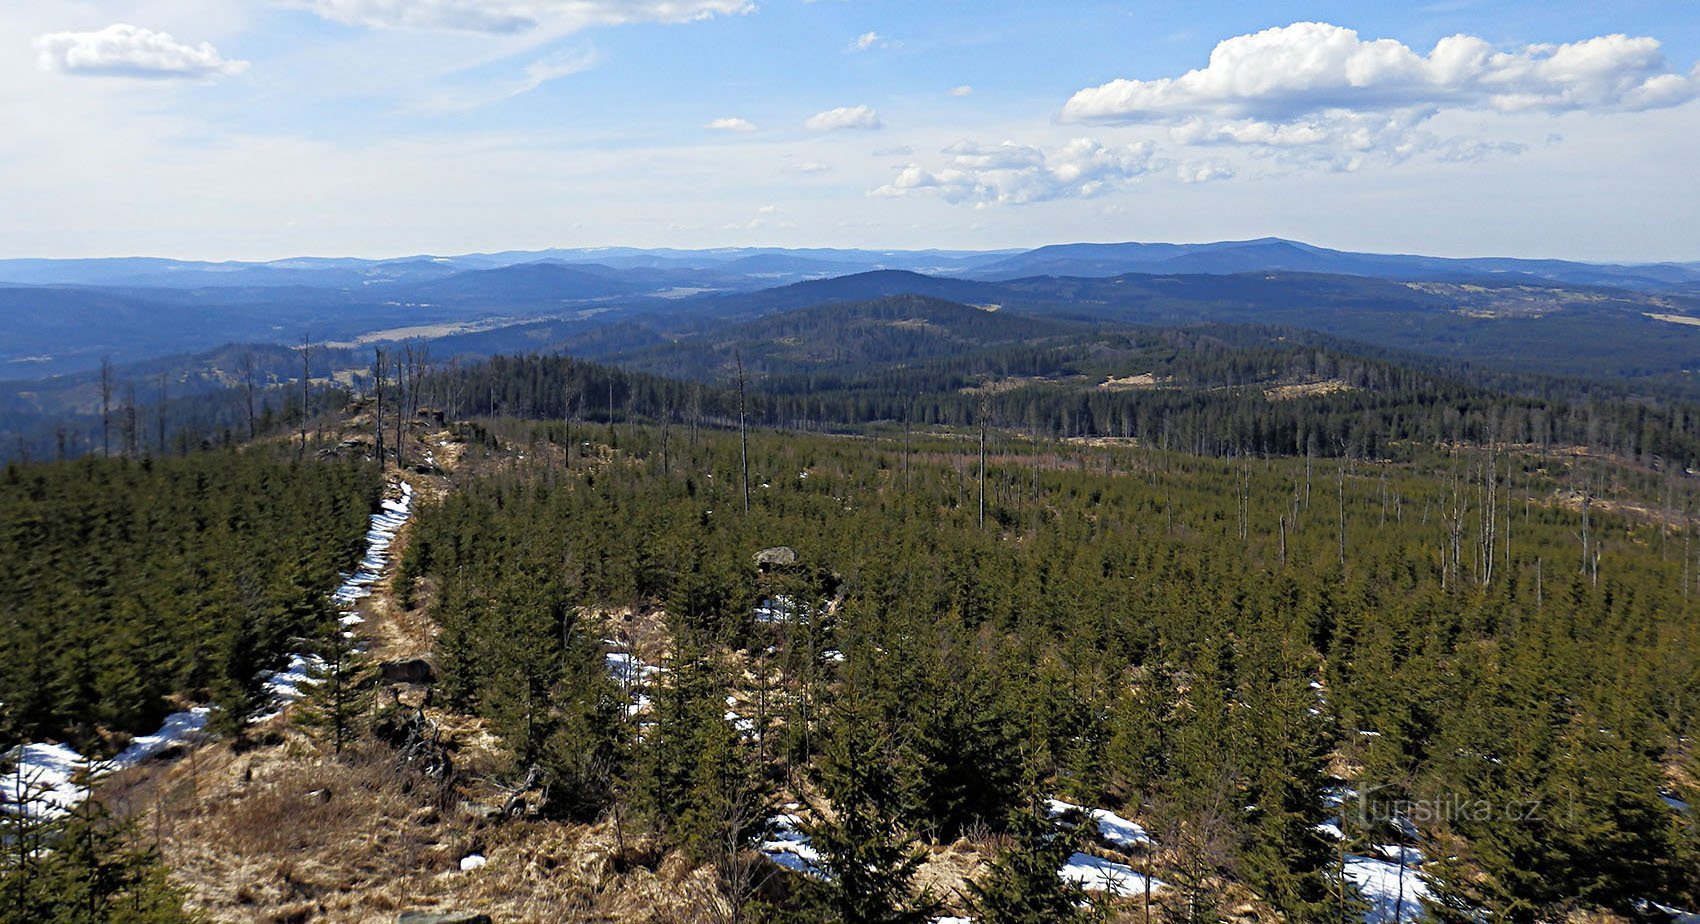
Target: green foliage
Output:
{"points": [[1182, 639], [869, 859], [1022, 886], [129, 582], [87, 867], [343, 683]]}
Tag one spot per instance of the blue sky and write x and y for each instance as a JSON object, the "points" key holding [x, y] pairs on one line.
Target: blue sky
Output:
{"points": [[253, 129]]}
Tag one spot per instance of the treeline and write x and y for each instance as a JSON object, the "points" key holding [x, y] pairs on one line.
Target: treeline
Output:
{"points": [[129, 582], [1206, 397], [1196, 642]]}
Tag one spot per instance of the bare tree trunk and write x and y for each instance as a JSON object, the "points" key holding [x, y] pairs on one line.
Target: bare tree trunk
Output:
{"points": [[306, 385], [248, 387], [105, 406], [378, 405], [159, 447], [132, 434], [982, 477], [743, 432]]}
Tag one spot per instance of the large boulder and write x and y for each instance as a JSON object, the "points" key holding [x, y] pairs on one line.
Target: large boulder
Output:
{"points": [[780, 556], [409, 670]]}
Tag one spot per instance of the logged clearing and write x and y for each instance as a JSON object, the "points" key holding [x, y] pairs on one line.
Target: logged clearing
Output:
{"points": [[1129, 382], [1298, 390], [1682, 319]]}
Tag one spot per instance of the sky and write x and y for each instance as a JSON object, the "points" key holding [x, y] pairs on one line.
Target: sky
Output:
{"points": [[261, 129]]}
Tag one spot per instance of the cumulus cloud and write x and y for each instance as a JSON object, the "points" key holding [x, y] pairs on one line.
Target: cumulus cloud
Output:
{"points": [[1015, 174], [731, 124], [515, 15], [864, 41], [1203, 171], [1309, 67], [844, 117], [123, 50], [1313, 83], [964, 90]]}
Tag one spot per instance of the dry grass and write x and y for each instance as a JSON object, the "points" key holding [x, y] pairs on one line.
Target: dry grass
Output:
{"points": [[286, 834]]}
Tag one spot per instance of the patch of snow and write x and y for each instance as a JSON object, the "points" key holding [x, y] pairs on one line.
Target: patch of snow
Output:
{"points": [[42, 780], [1676, 915], [788, 847], [45, 777], [627, 669], [472, 861], [1096, 874], [777, 609], [291, 683], [1380, 882], [179, 728], [1113, 829]]}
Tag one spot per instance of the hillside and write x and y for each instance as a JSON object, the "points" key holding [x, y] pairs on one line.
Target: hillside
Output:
{"points": [[1065, 660]]}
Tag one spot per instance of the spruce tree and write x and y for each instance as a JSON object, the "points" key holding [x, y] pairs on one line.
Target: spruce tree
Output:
{"points": [[869, 859], [1022, 885], [343, 682]]}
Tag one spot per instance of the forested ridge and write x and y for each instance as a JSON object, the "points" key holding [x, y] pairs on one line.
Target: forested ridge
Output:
{"points": [[1298, 622], [1205, 393], [906, 360]]}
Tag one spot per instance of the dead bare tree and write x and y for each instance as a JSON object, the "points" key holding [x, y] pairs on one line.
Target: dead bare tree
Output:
{"points": [[378, 364], [307, 350], [743, 432], [982, 477], [159, 438], [246, 364], [132, 429], [105, 406]]}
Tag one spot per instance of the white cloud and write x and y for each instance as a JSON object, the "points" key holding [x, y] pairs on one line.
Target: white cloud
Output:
{"points": [[1203, 171], [731, 124], [871, 40], [515, 15], [1014, 174], [1311, 67], [963, 90], [123, 50], [1316, 84], [844, 117], [537, 73]]}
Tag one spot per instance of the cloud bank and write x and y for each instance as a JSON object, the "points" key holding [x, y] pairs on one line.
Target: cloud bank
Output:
{"points": [[1015, 174], [1317, 84], [123, 50], [1292, 71], [515, 15]]}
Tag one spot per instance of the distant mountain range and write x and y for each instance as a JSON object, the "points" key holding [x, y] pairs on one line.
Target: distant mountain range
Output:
{"points": [[744, 268], [625, 305]]}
